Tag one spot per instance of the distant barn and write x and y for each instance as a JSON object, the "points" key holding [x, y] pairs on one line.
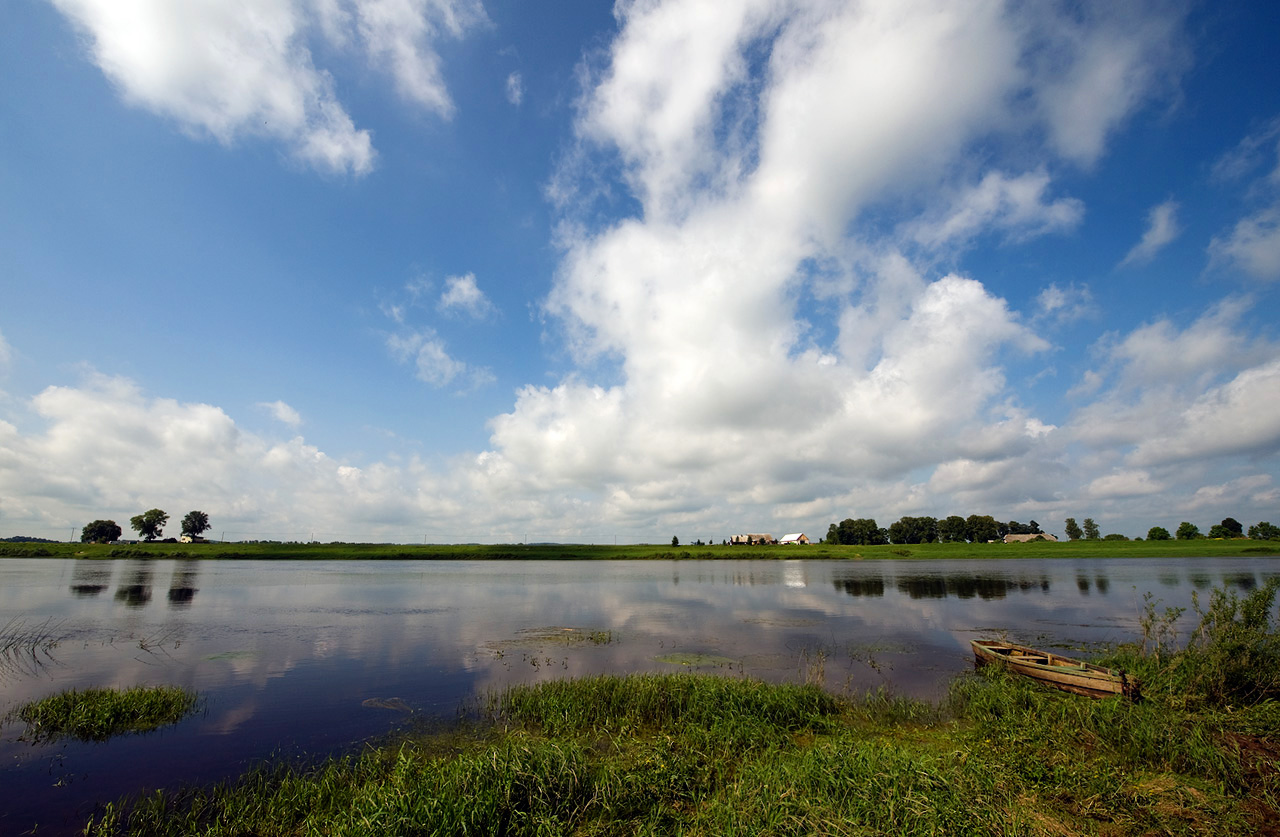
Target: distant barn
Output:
{"points": [[1045, 536], [752, 540], [798, 537]]}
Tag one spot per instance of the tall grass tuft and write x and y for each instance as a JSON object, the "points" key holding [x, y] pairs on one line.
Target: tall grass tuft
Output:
{"points": [[653, 700], [1232, 658], [99, 714]]}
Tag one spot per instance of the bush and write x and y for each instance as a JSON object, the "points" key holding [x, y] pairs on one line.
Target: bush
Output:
{"points": [[1231, 659]]}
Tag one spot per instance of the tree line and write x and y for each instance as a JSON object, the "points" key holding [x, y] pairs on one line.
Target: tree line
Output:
{"points": [[149, 525], [980, 528], [976, 528], [1228, 528]]}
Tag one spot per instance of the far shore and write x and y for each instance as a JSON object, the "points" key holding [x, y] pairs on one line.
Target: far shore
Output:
{"points": [[1200, 548]]}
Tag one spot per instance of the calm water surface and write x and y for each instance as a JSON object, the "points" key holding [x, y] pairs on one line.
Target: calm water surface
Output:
{"points": [[303, 657]]}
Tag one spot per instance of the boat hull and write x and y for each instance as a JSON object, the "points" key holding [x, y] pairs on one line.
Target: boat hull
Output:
{"points": [[1064, 673]]}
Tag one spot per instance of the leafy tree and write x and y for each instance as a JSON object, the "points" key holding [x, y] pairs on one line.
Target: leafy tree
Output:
{"points": [[100, 531], [1188, 531], [1264, 531], [675, 540], [1091, 532], [1115, 537], [1233, 526], [1073, 529], [951, 529], [195, 523], [860, 532], [1013, 527], [1158, 533], [980, 528], [914, 530], [149, 524]]}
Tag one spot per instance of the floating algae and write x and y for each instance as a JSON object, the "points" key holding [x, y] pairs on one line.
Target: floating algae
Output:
{"points": [[395, 704], [693, 660]]}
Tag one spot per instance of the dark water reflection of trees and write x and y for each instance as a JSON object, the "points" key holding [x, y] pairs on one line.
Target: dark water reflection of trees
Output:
{"points": [[944, 586], [90, 579]]}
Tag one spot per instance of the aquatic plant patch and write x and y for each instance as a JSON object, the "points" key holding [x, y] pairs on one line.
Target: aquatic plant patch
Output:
{"points": [[99, 714]]}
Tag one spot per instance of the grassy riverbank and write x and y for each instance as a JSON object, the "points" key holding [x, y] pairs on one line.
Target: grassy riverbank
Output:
{"points": [[576, 552], [702, 755], [706, 755]]}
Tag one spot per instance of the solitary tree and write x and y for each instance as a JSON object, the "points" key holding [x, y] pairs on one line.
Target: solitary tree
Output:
{"points": [[1188, 531], [1073, 529], [1233, 527], [100, 531], [1158, 533], [675, 540], [1091, 532], [149, 524], [195, 524]]}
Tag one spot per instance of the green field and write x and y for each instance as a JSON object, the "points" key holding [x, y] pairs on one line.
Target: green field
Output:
{"points": [[584, 552]]}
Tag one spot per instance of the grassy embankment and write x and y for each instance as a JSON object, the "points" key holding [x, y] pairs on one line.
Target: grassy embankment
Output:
{"points": [[700, 755], [480, 552], [99, 714]]}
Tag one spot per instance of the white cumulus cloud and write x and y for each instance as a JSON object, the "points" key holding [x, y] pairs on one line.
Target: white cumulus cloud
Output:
{"points": [[1016, 206], [1162, 228], [432, 363], [282, 412], [232, 69], [1253, 245], [462, 294], [515, 89]]}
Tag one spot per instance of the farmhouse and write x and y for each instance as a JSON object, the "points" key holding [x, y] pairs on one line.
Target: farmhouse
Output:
{"points": [[752, 540], [1025, 538], [798, 537]]}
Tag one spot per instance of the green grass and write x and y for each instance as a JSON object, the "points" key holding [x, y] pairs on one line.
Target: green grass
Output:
{"points": [[704, 755], [99, 714], [341, 551]]}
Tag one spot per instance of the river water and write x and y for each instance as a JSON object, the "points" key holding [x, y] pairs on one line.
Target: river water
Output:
{"points": [[303, 657]]}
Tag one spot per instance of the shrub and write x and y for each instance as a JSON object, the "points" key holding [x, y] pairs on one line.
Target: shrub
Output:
{"points": [[1232, 658]]}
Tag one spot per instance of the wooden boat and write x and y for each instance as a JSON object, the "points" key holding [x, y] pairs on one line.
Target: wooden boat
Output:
{"points": [[1055, 670]]}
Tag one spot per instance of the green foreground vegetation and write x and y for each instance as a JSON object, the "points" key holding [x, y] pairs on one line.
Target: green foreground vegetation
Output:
{"points": [[99, 714], [474, 552], [704, 755]]}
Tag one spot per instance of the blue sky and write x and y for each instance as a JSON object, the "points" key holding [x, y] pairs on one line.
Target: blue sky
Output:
{"points": [[455, 271]]}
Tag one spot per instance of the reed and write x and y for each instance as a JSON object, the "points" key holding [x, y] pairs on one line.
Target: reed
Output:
{"points": [[27, 648], [99, 714]]}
